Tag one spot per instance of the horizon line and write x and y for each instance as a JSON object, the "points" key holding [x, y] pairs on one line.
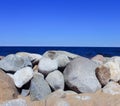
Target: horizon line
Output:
{"points": [[57, 46]]}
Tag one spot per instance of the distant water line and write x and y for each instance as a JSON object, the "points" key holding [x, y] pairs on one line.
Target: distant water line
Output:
{"points": [[83, 51]]}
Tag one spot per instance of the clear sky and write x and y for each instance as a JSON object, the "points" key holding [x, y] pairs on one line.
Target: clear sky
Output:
{"points": [[60, 23]]}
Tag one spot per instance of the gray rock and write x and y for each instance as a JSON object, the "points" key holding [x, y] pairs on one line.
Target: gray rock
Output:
{"points": [[15, 102], [14, 62], [35, 58], [62, 60], [55, 80], [23, 76], [62, 57], [80, 76], [112, 88], [25, 92], [52, 53], [39, 88], [47, 65]]}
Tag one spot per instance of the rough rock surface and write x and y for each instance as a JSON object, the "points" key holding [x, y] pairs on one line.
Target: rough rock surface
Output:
{"points": [[7, 87], [14, 62], [55, 80], [39, 88], [103, 75], [114, 65], [112, 88], [79, 74], [47, 65], [15, 102]]}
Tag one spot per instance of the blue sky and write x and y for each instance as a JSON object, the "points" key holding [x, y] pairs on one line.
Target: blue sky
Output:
{"points": [[60, 23]]}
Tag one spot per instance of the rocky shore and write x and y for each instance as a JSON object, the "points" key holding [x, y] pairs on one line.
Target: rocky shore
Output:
{"points": [[59, 78]]}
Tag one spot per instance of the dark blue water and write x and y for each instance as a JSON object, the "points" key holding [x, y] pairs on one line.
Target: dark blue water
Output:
{"points": [[83, 51]]}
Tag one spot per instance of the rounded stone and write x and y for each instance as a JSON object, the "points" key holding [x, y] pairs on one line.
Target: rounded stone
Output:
{"points": [[47, 65], [55, 80], [79, 74]]}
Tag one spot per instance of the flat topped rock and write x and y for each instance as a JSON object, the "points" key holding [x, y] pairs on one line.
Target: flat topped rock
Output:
{"points": [[53, 53], [14, 62], [62, 57], [80, 75]]}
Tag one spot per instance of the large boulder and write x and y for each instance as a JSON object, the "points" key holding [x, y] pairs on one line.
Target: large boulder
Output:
{"points": [[80, 75], [62, 57], [7, 87], [112, 88], [47, 65], [14, 62], [22, 76], [55, 80], [15, 102], [39, 88]]}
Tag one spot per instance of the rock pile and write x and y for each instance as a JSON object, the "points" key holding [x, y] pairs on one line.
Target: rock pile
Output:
{"points": [[57, 78]]}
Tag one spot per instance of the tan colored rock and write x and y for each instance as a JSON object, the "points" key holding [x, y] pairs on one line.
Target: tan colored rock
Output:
{"points": [[98, 58], [8, 90], [35, 68], [103, 75], [1, 57], [84, 99]]}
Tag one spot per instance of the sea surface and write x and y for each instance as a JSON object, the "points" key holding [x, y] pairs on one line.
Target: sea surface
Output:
{"points": [[83, 51]]}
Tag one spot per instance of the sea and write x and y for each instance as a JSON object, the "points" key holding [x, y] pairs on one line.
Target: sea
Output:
{"points": [[83, 51]]}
